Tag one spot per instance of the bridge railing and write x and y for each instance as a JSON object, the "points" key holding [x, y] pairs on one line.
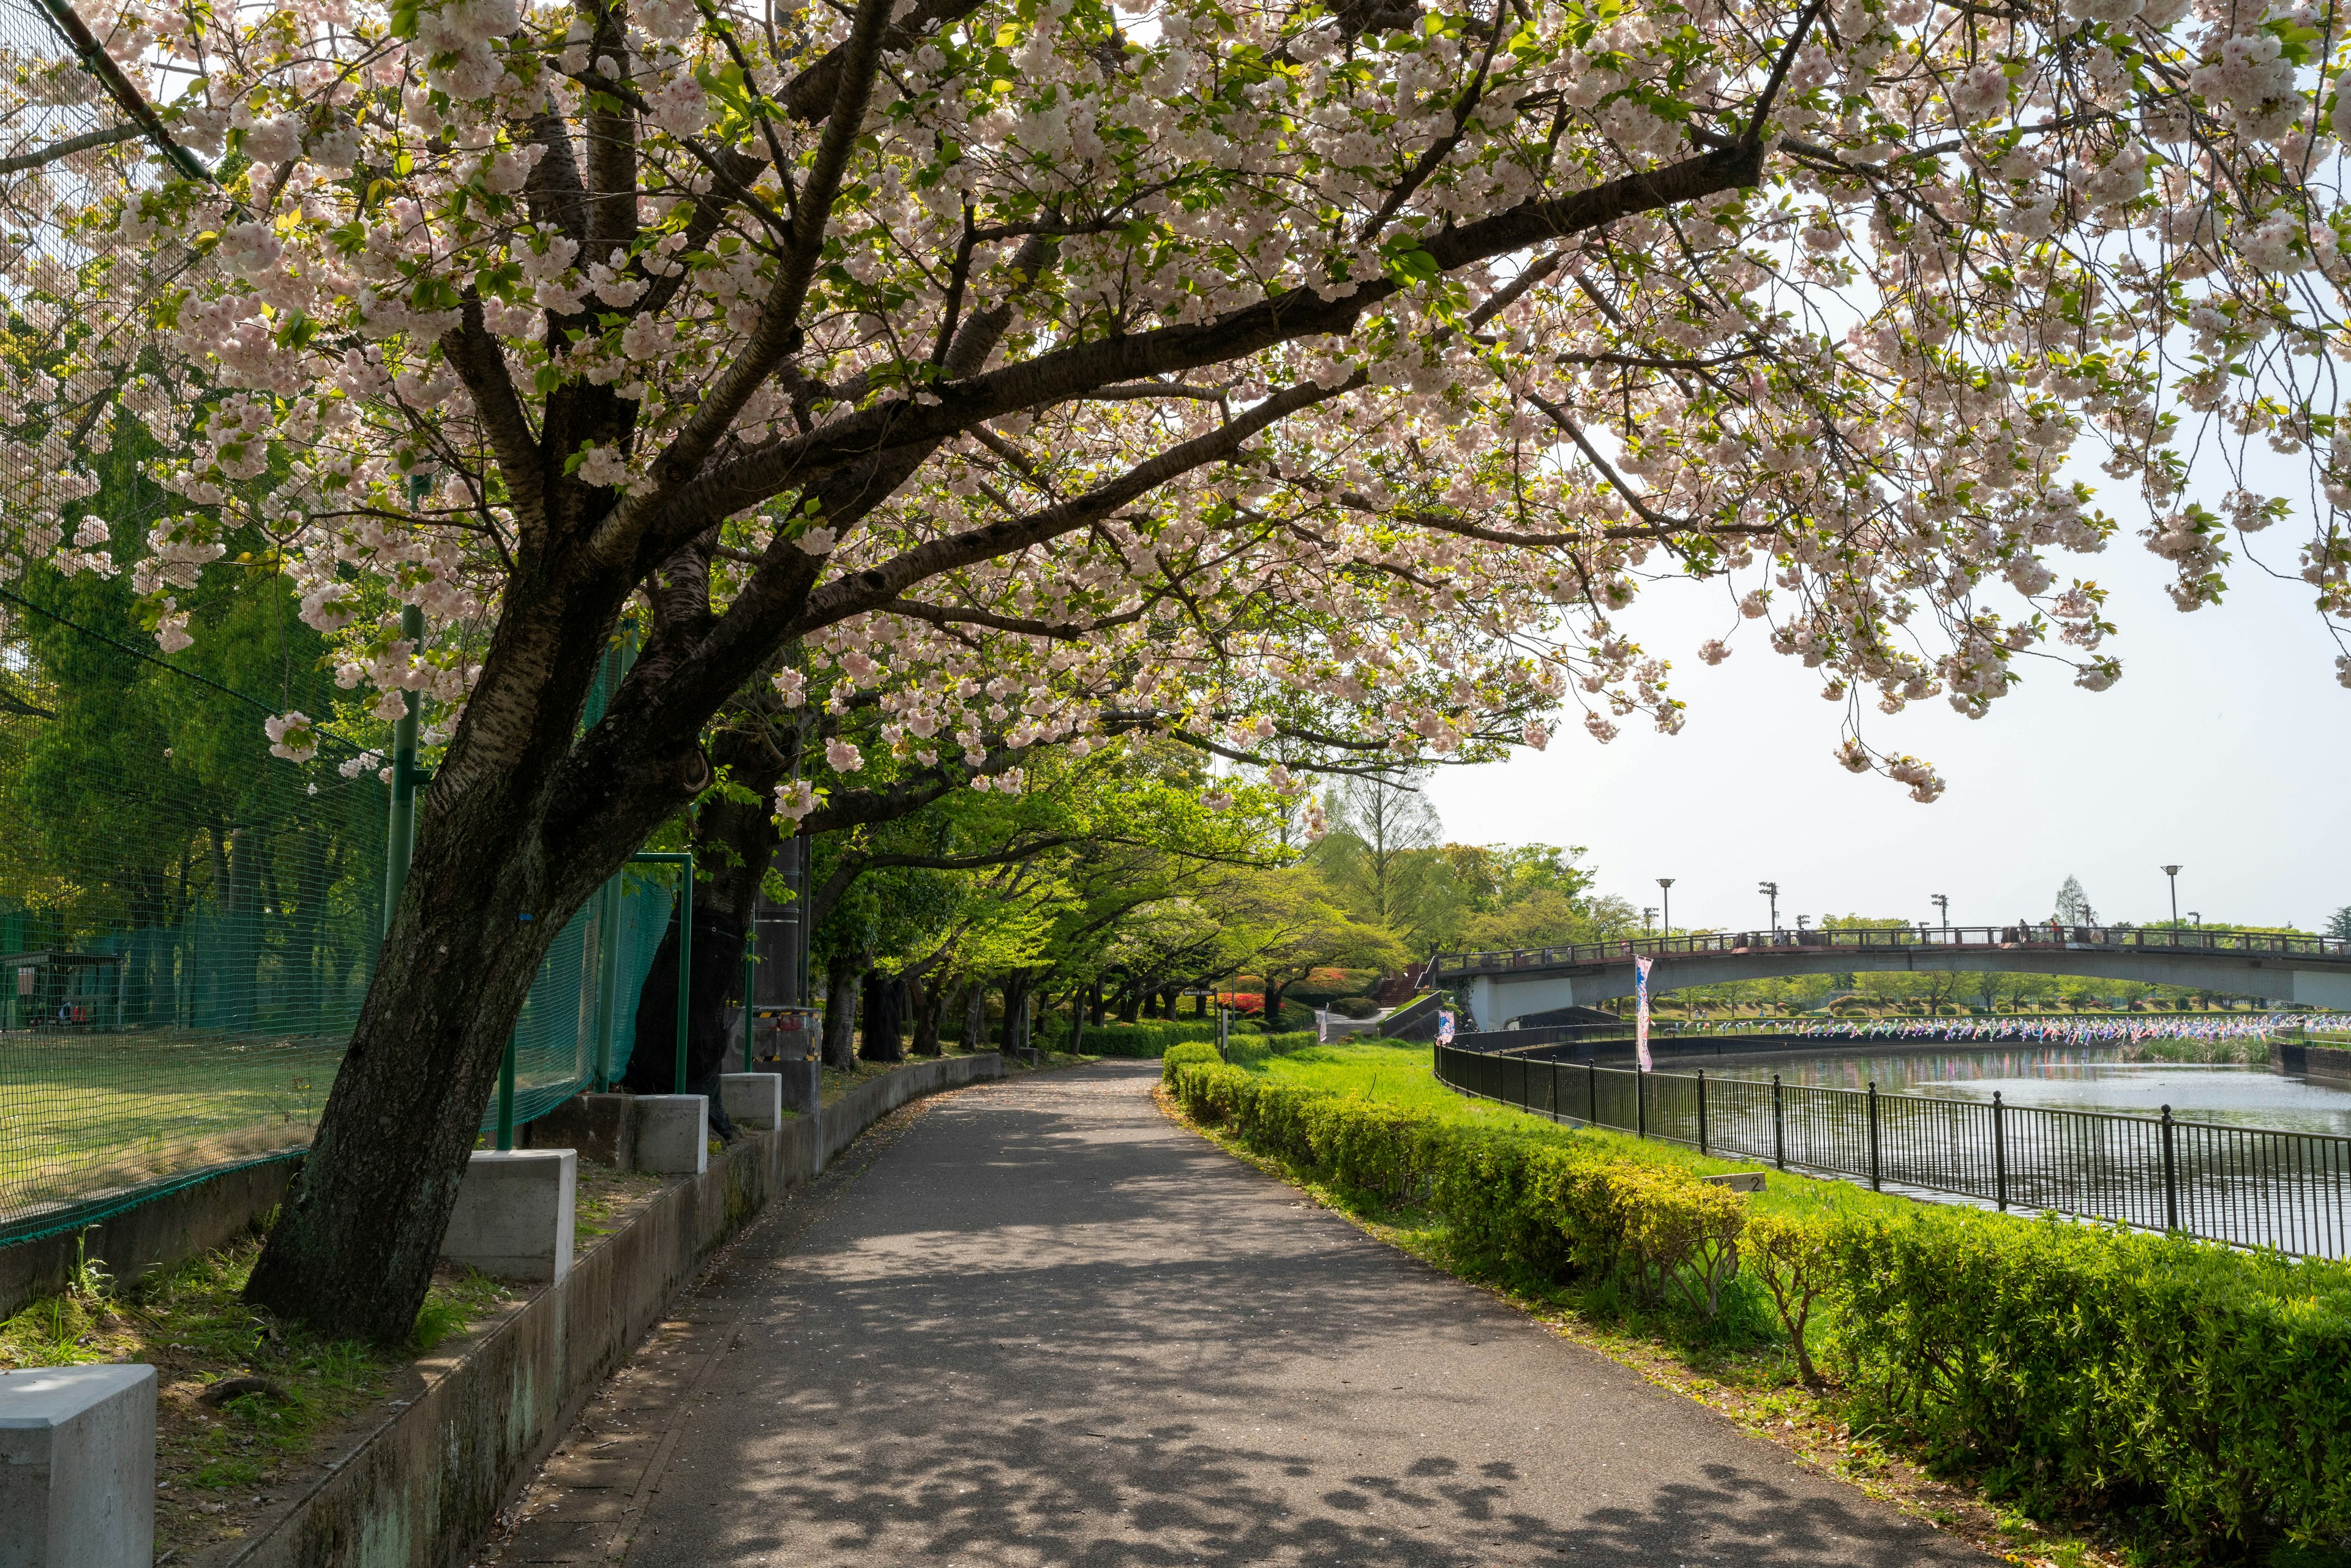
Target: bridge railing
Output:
{"points": [[2044, 936], [2250, 1187]]}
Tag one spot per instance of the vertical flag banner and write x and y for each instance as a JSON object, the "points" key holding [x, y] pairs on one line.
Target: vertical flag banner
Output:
{"points": [[1445, 1029], [1641, 1009]]}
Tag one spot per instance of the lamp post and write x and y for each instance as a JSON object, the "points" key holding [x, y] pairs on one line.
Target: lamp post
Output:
{"points": [[2198, 916], [1943, 905], [2172, 872], [1770, 889], [1667, 921]]}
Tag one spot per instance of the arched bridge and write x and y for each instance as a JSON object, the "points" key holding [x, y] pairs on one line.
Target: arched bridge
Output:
{"points": [[1502, 986]]}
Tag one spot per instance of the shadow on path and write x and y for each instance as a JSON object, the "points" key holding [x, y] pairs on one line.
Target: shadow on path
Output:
{"points": [[1046, 1326]]}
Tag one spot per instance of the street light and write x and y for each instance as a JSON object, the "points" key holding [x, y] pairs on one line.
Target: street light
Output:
{"points": [[2173, 872], [1942, 904], [1667, 923], [1770, 889], [2198, 916]]}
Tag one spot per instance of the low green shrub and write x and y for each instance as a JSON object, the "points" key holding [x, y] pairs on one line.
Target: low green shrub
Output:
{"points": [[2071, 1363], [1184, 1052], [1150, 1038], [1251, 1049]]}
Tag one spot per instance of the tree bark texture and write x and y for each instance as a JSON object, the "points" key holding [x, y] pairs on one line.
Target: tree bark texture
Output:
{"points": [[842, 985], [975, 1017], [1010, 1034], [930, 1012]]}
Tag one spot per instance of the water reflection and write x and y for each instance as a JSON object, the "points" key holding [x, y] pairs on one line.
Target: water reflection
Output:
{"points": [[2073, 1078]]}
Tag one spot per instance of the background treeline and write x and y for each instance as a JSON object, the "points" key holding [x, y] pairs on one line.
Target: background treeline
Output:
{"points": [[1104, 906]]}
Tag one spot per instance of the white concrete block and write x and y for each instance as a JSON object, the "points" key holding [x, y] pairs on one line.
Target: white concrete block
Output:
{"points": [[752, 1098], [672, 1133], [514, 1213], [77, 1467]]}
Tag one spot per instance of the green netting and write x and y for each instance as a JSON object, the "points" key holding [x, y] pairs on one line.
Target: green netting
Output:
{"points": [[188, 925], [557, 1038]]}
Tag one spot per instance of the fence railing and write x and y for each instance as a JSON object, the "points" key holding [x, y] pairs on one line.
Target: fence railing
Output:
{"points": [[1732, 1036], [2250, 1186], [2043, 935]]}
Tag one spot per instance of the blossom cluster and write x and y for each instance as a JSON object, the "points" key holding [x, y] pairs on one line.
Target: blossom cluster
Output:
{"points": [[1316, 384]]}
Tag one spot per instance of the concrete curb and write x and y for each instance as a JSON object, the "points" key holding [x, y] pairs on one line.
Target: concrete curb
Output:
{"points": [[420, 1488]]}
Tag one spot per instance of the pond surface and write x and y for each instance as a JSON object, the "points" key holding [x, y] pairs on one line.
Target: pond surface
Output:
{"points": [[2072, 1078]]}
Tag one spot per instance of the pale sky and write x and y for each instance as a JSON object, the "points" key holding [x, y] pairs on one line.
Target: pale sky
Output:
{"points": [[2226, 747]]}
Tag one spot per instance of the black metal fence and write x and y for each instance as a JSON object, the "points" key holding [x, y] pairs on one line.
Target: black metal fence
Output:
{"points": [[2248, 1185]]}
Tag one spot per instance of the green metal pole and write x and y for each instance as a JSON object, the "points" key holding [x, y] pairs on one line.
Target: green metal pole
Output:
{"points": [[505, 1095], [750, 980], [399, 840], [684, 963], [608, 980]]}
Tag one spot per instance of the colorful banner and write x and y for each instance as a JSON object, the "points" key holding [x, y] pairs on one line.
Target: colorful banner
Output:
{"points": [[1445, 1029], [1641, 1011]]}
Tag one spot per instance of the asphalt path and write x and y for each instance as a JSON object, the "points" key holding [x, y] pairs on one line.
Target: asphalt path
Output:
{"points": [[1035, 1323]]}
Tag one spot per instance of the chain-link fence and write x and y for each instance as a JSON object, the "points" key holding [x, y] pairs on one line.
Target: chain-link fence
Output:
{"points": [[188, 925]]}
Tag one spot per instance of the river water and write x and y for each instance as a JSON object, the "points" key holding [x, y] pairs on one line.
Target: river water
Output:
{"points": [[2071, 1077]]}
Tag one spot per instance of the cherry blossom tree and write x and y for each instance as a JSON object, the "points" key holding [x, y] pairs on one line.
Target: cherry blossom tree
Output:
{"points": [[1306, 378]]}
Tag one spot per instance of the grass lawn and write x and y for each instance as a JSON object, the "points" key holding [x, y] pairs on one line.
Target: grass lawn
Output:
{"points": [[85, 1114]]}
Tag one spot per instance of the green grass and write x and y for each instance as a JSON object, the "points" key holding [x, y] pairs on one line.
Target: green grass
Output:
{"points": [[194, 1326], [81, 1114], [1402, 1074]]}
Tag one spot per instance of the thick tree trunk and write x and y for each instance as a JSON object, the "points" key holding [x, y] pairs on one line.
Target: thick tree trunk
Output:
{"points": [[524, 820], [360, 1232], [1094, 1003], [842, 978], [883, 1016], [975, 1017], [930, 1011], [1273, 1004], [1129, 1005], [1016, 996]]}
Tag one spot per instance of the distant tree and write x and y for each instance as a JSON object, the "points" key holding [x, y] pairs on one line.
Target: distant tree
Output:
{"points": [[2073, 905], [1379, 826], [2339, 923]]}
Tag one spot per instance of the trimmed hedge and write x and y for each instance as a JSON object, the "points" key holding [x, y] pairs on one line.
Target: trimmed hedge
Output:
{"points": [[2074, 1362], [1148, 1038]]}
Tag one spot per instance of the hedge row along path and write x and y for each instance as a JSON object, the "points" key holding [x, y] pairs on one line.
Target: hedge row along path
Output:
{"points": [[1041, 1325]]}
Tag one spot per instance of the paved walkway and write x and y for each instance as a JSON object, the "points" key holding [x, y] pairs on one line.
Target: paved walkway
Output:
{"points": [[1035, 1323]]}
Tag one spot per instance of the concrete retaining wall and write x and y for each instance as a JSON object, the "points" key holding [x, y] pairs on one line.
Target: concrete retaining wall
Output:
{"points": [[2328, 1063], [420, 1490], [154, 1234]]}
